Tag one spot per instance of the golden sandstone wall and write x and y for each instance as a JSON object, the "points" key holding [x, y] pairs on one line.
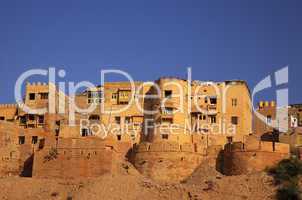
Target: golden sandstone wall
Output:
{"points": [[13, 156], [74, 158], [170, 161], [253, 155], [62, 150], [8, 112]]}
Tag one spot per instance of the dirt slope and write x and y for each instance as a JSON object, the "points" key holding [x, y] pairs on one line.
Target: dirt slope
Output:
{"points": [[128, 184]]}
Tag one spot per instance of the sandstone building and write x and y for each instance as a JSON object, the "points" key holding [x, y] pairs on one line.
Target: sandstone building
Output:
{"points": [[166, 128], [269, 131]]}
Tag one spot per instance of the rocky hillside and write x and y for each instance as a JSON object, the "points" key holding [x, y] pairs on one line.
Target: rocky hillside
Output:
{"points": [[127, 184]]}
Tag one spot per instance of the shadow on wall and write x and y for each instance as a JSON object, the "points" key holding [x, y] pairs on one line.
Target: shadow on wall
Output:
{"points": [[219, 162], [28, 167]]}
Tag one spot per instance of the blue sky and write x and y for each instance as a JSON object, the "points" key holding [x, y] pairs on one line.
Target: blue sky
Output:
{"points": [[220, 40]]}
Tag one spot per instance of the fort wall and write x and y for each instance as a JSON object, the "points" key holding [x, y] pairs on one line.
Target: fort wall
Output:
{"points": [[78, 157], [252, 156], [172, 162]]}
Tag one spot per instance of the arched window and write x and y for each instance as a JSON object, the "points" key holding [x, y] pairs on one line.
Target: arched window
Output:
{"points": [[94, 117]]}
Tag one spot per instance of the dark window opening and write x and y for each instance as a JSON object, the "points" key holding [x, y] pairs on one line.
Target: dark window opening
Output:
{"points": [[213, 119], [2, 118], [34, 139], [269, 119], [206, 100], [213, 100], [167, 120], [84, 132], [123, 102], [127, 120], [117, 120], [94, 97], [44, 95], [119, 137], [22, 120], [94, 117], [41, 143], [234, 120], [41, 119], [58, 123], [31, 117], [168, 110], [234, 102], [32, 96], [230, 139], [114, 96], [168, 94], [21, 139], [89, 94], [165, 136]]}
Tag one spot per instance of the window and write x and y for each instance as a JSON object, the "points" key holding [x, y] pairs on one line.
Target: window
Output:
{"points": [[2, 118], [94, 117], [123, 102], [41, 119], [234, 120], [58, 122], [31, 117], [165, 136], [41, 143], [269, 119], [167, 120], [44, 95], [204, 117], [94, 97], [205, 100], [127, 120], [213, 119], [34, 139], [234, 102], [168, 94], [32, 96], [89, 94], [84, 132], [114, 96], [123, 96], [119, 137], [213, 100], [23, 120], [168, 110], [117, 119], [230, 139], [21, 139]]}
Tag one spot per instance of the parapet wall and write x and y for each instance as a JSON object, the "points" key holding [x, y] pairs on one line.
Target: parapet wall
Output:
{"points": [[169, 147], [74, 158], [8, 105], [36, 83], [242, 158], [172, 162]]}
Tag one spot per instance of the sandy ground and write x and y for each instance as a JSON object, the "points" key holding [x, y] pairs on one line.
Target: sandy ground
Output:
{"points": [[128, 184]]}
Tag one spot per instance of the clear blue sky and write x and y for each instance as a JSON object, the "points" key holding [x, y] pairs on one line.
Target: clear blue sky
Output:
{"points": [[220, 39]]}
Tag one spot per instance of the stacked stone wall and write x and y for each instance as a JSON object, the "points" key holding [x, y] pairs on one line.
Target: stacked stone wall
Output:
{"points": [[243, 158], [172, 162]]}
